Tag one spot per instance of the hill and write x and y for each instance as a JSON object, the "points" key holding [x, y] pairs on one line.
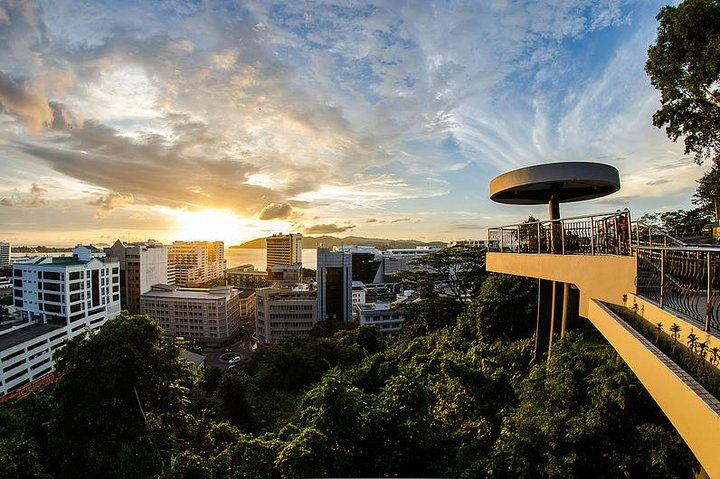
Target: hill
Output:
{"points": [[313, 242]]}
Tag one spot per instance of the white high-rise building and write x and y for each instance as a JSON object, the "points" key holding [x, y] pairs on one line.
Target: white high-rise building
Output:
{"points": [[197, 262], [5, 250], [141, 266], [283, 250], [57, 298]]}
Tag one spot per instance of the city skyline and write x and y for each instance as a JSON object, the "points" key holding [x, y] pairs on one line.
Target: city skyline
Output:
{"points": [[224, 121]]}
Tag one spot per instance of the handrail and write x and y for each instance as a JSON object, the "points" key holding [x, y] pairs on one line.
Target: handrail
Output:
{"points": [[565, 218]]}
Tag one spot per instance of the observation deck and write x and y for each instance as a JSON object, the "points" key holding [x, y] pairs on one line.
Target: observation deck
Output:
{"points": [[608, 269]]}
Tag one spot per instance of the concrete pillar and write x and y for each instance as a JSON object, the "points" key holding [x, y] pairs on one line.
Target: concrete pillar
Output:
{"points": [[544, 315]]}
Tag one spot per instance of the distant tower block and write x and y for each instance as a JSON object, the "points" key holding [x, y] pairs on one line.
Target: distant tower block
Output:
{"points": [[554, 183]]}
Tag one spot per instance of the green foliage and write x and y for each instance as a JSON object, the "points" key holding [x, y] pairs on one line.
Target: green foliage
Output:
{"points": [[572, 415], [456, 273], [448, 397], [505, 309], [118, 401], [680, 222], [684, 65]]}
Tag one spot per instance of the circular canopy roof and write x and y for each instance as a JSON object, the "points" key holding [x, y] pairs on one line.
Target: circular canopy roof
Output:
{"points": [[570, 181]]}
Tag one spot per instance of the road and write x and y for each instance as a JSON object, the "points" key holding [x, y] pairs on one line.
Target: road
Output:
{"points": [[243, 346]]}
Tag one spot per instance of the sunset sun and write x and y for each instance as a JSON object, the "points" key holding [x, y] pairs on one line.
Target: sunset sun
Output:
{"points": [[212, 225]]}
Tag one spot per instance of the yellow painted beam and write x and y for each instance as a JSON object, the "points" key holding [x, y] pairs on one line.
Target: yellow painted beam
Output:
{"points": [[674, 391], [604, 277]]}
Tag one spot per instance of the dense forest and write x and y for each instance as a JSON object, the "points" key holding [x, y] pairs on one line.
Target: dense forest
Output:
{"points": [[454, 394]]}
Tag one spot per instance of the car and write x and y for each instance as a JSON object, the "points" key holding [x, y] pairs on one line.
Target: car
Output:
{"points": [[235, 360]]}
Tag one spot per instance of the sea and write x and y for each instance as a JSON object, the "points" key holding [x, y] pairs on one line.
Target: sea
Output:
{"points": [[258, 257], [234, 257]]}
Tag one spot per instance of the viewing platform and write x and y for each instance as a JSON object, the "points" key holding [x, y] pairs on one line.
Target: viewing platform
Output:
{"points": [[588, 266]]}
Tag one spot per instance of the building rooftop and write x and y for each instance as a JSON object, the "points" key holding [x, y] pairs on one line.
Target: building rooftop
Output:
{"points": [[27, 333], [172, 291]]}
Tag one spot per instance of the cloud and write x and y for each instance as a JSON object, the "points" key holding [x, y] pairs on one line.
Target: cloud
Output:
{"points": [[108, 203], [25, 101], [328, 228], [276, 211], [401, 220], [34, 199], [371, 220]]}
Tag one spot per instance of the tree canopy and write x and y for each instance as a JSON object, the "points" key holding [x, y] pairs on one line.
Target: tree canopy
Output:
{"points": [[684, 65]]}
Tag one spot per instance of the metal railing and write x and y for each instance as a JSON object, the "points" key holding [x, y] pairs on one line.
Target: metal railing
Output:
{"points": [[607, 233], [683, 279]]}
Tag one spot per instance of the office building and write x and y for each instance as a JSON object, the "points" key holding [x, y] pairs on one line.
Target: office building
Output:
{"points": [[141, 266], [5, 250], [284, 312], [283, 249], [197, 262], [246, 276], [56, 298], [334, 284], [210, 316]]}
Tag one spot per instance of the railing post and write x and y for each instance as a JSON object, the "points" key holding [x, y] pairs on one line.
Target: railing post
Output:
{"points": [[502, 234], [708, 304], [662, 279], [562, 236], [538, 236], [517, 242], [592, 236]]}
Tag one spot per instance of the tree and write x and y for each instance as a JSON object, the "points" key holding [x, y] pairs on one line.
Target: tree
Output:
{"points": [[119, 401], [456, 272], [684, 64]]}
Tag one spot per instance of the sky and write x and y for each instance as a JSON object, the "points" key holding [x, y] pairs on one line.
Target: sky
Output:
{"points": [[183, 120]]}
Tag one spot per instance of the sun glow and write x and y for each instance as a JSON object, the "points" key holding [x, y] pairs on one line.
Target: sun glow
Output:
{"points": [[212, 225]]}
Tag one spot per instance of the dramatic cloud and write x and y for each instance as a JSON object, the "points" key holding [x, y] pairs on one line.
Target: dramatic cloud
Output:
{"points": [[34, 199], [108, 203], [26, 102], [352, 112], [276, 211], [328, 229]]}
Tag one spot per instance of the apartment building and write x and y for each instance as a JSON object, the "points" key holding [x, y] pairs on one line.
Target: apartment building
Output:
{"points": [[5, 250], [211, 316], [388, 317], [197, 262], [283, 249], [56, 298], [284, 312], [141, 266]]}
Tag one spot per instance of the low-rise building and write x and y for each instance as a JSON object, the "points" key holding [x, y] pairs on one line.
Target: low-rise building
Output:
{"points": [[211, 316], [284, 312], [55, 298], [244, 277], [284, 275], [5, 250], [386, 316]]}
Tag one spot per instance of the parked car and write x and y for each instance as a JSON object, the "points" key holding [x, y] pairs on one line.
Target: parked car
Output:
{"points": [[235, 360]]}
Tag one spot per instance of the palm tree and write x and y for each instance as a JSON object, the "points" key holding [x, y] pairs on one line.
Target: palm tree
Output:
{"points": [[675, 330], [715, 356], [692, 341]]}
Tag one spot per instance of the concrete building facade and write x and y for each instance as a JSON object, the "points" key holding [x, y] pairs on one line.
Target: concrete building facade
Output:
{"points": [[5, 250], [211, 316], [334, 284], [284, 312], [56, 298], [197, 262], [246, 277], [283, 249], [141, 266]]}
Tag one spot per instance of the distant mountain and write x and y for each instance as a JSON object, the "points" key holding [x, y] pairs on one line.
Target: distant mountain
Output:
{"points": [[310, 242]]}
